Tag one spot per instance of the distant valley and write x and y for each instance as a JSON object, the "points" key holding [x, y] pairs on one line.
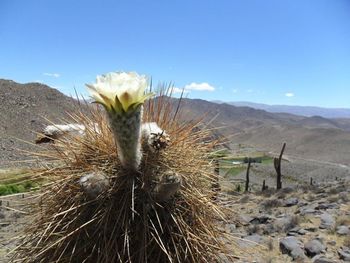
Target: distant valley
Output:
{"points": [[315, 137], [307, 111]]}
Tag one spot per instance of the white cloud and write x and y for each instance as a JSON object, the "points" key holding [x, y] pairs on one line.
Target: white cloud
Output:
{"points": [[250, 90], [234, 90], [54, 75], [179, 90], [204, 86], [289, 94]]}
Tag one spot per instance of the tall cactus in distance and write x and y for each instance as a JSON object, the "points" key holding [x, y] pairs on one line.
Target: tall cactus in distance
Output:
{"points": [[277, 164]]}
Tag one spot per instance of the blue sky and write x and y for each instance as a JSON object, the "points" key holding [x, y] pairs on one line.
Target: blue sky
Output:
{"points": [[293, 52]]}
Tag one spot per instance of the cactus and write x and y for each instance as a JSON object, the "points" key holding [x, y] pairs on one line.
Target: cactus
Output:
{"points": [[277, 165], [247, 176], [123, 192]]}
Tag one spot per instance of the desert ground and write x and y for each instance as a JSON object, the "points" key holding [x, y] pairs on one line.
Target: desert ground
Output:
{"points": [[300, 223]]}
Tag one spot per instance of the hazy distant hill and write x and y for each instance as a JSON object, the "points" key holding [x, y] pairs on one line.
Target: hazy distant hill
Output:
{"points": [[307, 137], [23, 108], [307, 111]]}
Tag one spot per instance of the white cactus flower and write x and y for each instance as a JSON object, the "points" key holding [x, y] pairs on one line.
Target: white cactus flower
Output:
{"points": [[123, 94], [119, 91]]}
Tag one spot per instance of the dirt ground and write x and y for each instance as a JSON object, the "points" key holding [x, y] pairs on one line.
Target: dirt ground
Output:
{"points": [[14, 216]]}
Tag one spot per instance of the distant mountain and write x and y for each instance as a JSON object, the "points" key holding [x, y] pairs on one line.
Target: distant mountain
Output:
{"points": [[306, 111], [315, 137], [24, 108]]}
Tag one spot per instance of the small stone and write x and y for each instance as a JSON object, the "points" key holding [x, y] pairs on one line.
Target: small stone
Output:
{"points": [[262, 219], [314, 247], [325, 206], [287, 244], [322, 259], [302, 232], [344, 254], [295, 229], [297, 253], [293, 247], [301, 204], [291, 202], [285, 223], [327, 221], [306, 210], [244, 219], [343, 230]]}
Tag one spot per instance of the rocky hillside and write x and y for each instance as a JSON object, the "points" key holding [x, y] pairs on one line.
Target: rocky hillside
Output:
{"points": [[24, 108]]}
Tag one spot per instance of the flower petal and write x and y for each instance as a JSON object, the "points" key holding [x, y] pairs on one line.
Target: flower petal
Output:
{"points": [[119, 90]]}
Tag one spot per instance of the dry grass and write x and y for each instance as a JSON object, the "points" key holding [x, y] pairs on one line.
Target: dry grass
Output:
{"points": [[342, 221], [268, 204], [125, 224], [346, 241]]}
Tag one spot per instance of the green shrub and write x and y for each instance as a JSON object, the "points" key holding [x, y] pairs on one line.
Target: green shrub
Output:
{"points": [[12, 189]]}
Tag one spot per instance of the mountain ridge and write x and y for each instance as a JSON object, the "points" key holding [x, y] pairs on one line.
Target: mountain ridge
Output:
{"points": [[307, 111], [24, 108]]}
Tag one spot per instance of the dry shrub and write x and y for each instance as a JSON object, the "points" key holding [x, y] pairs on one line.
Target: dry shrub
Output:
{"points": [[293, 222], [124, 223], [271, 203], [254, 229], [311, 197], [267, 192], [333, 198], [346, 241], [343, 221], [270, 244]]}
